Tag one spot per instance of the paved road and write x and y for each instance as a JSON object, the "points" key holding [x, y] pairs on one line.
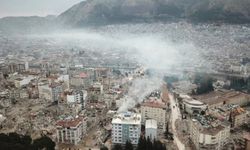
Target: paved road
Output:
{"points": [[175, 114]]}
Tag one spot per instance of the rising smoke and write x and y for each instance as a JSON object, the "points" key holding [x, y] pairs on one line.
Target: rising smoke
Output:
{"points": [[152, 51]]}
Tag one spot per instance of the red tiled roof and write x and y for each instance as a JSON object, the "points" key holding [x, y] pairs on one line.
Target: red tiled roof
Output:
{"points": [[154, 104], [83, 75], [69, 122]]}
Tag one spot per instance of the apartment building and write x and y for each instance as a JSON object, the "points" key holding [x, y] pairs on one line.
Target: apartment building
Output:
{"points": [[71, 130], [126, 127], [235, 114], [208, 133], [154, 110], [78, 97], [50, 92], [238, 117]]}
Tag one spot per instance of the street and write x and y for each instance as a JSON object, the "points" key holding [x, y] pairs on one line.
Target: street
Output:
{"points": [[175, 114]]}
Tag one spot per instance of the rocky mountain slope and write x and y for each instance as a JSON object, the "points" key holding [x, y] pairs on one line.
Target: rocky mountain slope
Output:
{"points": [[96, 12]]}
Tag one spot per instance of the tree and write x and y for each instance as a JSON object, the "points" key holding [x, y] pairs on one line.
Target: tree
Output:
{"points": [[149, 144], [128, 145], [104, 148], [141, 144], [158, 145], [44, 142], [117, 147]]}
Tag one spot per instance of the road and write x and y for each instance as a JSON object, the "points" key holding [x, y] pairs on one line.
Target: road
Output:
{"points": [[175, 114]]}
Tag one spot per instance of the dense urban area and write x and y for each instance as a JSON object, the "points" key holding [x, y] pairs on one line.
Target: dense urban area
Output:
{"points": [[158, 86]]}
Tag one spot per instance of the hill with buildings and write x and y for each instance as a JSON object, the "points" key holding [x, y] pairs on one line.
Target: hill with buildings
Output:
{"points": [[99, 12]]}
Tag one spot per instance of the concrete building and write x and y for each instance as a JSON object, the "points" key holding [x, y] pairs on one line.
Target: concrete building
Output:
{"points": [[238, 117], [44, 91], [191, 105], [154, 110], [78, 97], [80, 80], [50, 92], [151, 129], [71, 130], [81, 97], [97, 88], [126, 127], [56, 91], [64, 79], [16, 67], [23, 81], [209, 133], [233, 113], [221, 97]]}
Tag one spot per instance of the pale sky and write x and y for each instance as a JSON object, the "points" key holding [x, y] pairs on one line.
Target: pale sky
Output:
{"points": [[34, 7]]}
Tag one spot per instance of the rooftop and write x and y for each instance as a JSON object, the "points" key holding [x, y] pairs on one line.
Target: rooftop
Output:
{"points": [[219, 96], [210, 125], [154, 103], [69, 122], [127, 118]]}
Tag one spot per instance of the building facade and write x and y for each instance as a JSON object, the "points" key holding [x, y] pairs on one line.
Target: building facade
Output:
{"points": [[156, 111], [71, 130], [206, 136], [151, 129], [126, 127]]}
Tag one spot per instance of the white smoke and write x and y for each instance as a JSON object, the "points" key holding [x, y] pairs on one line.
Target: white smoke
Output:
{"points": [[140, 88], [152, 50]]}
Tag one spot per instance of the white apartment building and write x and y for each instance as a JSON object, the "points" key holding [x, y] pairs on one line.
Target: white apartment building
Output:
{"points": [[208, 135], [154, 110], [151, 129], [126, 127], [78, 97], [71, 130]]}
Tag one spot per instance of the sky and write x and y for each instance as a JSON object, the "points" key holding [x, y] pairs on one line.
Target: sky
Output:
{"points": [[34, 7]]}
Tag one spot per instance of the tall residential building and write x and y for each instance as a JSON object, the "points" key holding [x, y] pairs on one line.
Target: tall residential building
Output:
{"points": [[78, 97], [71, 130], [208, 133], [56, 90], [154, 110], [126, 127], [151, 129]]}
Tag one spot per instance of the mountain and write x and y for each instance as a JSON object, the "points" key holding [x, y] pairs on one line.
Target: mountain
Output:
{"points": [[98, 12], [118, 11], [26, 24]]}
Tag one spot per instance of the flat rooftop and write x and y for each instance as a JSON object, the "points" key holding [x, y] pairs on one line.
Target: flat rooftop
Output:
{"points": [[219, 96], [210, 125], [69, 123], [156, 103], [127, 118]]}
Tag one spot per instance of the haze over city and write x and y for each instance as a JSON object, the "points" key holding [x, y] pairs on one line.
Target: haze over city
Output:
{"points": [[125, 74]]}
